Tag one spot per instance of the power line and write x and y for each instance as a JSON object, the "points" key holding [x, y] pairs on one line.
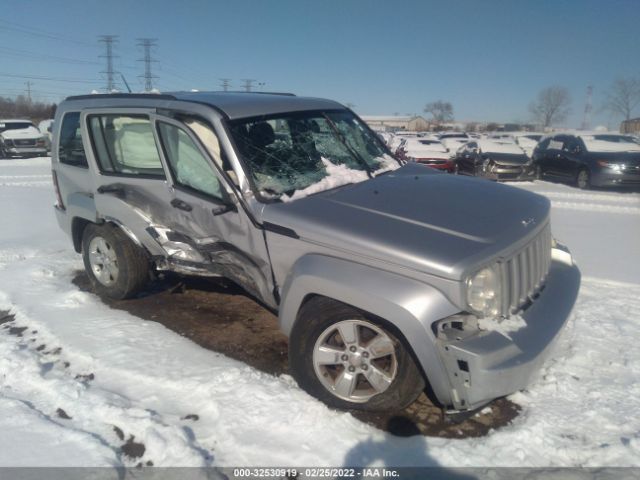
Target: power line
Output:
{"points": [[52, 79], [41, 57], [147, 44], [17, 27], [108, 41]]}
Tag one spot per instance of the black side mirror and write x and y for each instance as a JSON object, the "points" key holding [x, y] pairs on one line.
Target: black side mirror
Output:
{"points": [[224, 208]]}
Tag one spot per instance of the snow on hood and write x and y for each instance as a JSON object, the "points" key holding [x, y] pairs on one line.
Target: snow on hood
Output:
{"points": [[29, 132], [337, 175], [596, 144]]}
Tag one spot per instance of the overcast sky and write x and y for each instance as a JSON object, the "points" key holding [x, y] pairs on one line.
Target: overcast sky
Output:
{"points": [[488, 58]]}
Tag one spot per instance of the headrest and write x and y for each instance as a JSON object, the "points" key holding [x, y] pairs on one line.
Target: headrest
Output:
{"points": [[262, 134]]}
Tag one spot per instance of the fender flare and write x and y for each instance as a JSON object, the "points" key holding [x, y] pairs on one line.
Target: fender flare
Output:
{"points": [[411, 306]]}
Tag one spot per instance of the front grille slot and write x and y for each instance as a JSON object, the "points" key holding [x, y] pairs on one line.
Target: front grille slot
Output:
{"points": [[24, 143], [523, 274]]}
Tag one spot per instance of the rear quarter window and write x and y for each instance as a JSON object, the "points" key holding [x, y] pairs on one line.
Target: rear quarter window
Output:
{"points": [[70, 147]]}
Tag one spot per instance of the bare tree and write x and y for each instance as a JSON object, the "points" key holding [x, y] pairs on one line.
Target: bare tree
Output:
{"points": [[552, 105], [440, 111], [623, 96]]}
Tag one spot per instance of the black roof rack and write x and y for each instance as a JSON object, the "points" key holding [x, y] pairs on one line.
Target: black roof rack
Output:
{"points": [[286, 94], [160, 96]]}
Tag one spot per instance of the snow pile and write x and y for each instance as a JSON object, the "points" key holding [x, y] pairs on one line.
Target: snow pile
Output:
{"points": [[387, 164], [337, 176]]}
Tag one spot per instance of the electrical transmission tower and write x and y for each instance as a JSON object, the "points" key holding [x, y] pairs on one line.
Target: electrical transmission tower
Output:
{"points": [[248, 83], [225, 83], [147, 44], [586, 120], [29, 91], [108, 41]]}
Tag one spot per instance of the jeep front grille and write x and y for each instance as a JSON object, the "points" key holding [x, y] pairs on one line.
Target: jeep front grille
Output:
{"points": [[523, 274]]}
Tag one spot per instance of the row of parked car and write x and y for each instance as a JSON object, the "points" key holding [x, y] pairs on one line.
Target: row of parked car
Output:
{"points": [[585, 159], [21, 138]]}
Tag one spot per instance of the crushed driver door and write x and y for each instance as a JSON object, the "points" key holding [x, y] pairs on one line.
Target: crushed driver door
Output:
{"points": [[206, 227]]}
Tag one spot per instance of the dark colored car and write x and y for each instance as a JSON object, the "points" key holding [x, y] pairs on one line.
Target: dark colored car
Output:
{"points": [[597, 160], [494, 160]]}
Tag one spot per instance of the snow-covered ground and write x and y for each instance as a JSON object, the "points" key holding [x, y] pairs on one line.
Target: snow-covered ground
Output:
{"points": [[121, 380]]}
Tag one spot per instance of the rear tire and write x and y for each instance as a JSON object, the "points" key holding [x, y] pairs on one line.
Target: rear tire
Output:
{"points": [[583, 179], [117, 268], [323, 363]]}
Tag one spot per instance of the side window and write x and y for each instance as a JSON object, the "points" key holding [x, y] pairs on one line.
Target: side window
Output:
{"points": [[125, 145], [570, 144], [189, 166], [556, 143], [544, 144], [70, 148]]}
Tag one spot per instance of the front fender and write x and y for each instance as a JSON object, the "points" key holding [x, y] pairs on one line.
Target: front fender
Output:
{"points": [[409, 305]]}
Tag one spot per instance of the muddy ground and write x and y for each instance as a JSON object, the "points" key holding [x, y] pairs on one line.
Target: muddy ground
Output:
{"points": [[216, 313]]}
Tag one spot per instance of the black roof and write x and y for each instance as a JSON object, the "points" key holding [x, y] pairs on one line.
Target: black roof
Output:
{"points": [[233, 104]]}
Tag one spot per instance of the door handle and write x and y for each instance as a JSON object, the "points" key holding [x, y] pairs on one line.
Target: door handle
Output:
{"points": [[113, 188], [179, 204]]}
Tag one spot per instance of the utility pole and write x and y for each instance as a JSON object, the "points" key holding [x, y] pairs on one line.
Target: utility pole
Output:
{"points": [[586, 121], [108, 41], [248, 83], [226, 82], [146, 44], [28, 83]]}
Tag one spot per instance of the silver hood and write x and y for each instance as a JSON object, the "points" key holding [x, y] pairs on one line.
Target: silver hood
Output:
{"points": [[418, 218]]}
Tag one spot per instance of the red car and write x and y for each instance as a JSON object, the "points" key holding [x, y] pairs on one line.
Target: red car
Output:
{"points": [[426, 151]]}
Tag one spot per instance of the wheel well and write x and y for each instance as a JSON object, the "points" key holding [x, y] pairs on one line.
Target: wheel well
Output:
{"points": [[77, 230], [384, 323]]}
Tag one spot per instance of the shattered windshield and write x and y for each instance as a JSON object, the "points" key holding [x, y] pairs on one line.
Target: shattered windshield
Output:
{"points": [[296, 154]]}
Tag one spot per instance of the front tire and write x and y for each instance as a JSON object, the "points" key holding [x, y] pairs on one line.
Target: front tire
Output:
{"points": [[117, 268], [350, 361], [583, 179]]}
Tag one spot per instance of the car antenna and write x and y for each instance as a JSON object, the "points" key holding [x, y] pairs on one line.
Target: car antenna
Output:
{"points": [[125, 82]]}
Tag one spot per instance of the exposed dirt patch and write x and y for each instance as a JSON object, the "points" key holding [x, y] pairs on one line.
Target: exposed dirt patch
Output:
{"points": [[133, 449], [217, 314], [62, 414]]}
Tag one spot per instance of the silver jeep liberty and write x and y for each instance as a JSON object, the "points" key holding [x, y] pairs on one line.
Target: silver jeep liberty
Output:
{"points": [[389, 279]]}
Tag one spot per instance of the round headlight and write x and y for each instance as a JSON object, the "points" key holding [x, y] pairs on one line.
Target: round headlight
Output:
{"points": [[484, 292]]}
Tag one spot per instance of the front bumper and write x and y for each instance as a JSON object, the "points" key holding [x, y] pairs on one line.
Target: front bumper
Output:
{"points": [[482, 365], [26, 151], [608, 178], [508, 172]]}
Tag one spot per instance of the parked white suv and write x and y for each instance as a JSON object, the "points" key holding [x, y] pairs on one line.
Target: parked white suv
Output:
{"points": [[21, 138]]}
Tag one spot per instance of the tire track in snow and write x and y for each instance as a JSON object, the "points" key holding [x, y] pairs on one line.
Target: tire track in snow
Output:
{"points": [[595, 197], [2, 177], [41, 377], [26, 184], [596, 207]]}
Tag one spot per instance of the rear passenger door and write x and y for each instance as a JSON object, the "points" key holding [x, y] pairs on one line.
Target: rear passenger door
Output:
{"points": [[131, 187], [553, 156]]}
